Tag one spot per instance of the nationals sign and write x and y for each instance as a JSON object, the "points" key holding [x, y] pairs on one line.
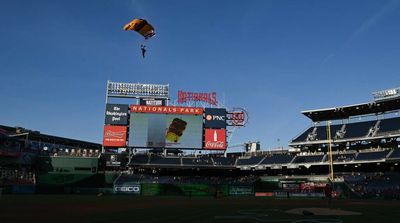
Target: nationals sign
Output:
{"points": [[114, 136], [166, 110], [210, 98], [237, 117], [215, 139]]}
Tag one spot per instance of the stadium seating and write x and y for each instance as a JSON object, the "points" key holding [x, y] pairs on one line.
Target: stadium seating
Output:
{"points": [[308, 159], [303, 136], [16, 176], [321, 133], [372, 185], [371, 155], [358, 129], [268, 159], [351, 130], [197, 161], [140, 159], [254, 160], [395, 154], [342, 157], [277, 159], [389, 126], [224, 161], [158, 160]]}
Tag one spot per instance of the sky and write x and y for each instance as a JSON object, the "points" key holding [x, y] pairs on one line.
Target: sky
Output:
{"points": [[272, 58]]}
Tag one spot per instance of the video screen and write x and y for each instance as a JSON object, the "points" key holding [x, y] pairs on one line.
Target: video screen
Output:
{"points": [[165, 130]]}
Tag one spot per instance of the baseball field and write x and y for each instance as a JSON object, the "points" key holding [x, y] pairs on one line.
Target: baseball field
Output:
{"points": [[112, 208]]}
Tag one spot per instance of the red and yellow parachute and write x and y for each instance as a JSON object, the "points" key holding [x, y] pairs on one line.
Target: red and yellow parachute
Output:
{"points": [[142, 27]]}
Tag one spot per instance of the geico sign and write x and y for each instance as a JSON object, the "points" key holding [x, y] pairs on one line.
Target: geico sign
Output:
{"points": [[215, 118], [130, 189]]}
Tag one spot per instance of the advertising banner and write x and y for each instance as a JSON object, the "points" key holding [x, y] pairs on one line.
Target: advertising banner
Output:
{"points": [[115, 159], [240, 190], [215, 118], [165, 131], [152, 102], [116, 114], [264, 194], [127, 188], [166, 110], [114, 136], [215, 139]]}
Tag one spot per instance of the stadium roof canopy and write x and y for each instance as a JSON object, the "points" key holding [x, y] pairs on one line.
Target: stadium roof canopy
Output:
{"points": [[375, 107]]}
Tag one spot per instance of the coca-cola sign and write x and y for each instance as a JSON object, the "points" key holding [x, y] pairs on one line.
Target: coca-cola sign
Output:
{"points": [[114, 136], [215, 139]]}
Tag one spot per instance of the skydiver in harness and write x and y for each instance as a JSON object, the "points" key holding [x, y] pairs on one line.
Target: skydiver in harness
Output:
{"points": [[143, 48]]}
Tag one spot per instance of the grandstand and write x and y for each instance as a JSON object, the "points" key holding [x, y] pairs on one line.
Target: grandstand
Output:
{"points": [[364, 140], [374, 122], [30, 160]]}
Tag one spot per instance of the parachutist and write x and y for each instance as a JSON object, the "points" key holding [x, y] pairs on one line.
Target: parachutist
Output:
{"points": [[143, 48], [142, 27]]}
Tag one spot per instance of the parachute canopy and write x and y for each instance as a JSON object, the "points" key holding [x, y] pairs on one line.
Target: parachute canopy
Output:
{"points": [[141, 26]]}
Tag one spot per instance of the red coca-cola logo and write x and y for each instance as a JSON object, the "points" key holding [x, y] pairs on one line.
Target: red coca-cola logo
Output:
{"points": [[218, 144], [215, 139]]}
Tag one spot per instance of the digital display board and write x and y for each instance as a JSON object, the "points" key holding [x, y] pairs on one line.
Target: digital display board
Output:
{"points": [[171, 130]]}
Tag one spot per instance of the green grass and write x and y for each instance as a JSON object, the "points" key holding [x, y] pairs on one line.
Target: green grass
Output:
{"points": [[110, 209]]}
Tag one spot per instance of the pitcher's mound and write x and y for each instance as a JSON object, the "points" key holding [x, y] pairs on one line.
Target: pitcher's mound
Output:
{"points": [[321, 211]]}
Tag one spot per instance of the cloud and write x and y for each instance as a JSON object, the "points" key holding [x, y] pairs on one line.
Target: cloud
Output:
{"points": [[384, 11], [370, 22]]}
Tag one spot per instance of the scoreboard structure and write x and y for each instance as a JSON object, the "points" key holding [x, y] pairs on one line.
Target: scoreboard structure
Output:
{"points": [[152, 123]]}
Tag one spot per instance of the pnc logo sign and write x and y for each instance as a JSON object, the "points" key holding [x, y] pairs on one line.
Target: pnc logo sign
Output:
{"points": [[215, 118]]}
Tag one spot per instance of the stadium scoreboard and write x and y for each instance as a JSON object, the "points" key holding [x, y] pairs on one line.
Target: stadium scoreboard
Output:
{"points": [[146, 126]]}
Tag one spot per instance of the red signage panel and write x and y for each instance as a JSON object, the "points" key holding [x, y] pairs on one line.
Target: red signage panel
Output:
{"points": [[210, 98], [114, 136], [167, 110], [215, 139]]}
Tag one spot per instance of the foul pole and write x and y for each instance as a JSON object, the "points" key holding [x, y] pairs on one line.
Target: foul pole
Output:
{"points": [[328, 129]]}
